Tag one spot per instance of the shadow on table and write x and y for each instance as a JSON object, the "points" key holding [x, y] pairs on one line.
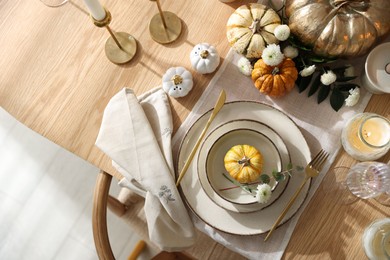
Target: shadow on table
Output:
{"points": [[346, 221]]}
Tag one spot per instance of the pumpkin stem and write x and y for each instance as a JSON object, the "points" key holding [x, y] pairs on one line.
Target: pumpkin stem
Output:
{"points": [[352, 3], [177, 79], [204, 54], [245, 161], [255, 26], [275, 71]]}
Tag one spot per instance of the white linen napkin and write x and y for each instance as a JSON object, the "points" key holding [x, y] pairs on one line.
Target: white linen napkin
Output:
{"points": [[136, 134]]}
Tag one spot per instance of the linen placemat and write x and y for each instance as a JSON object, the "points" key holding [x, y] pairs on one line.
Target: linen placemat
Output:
{"points": [[319, 123]]}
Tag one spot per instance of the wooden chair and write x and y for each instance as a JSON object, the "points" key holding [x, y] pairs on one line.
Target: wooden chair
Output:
{"points": [[129, 206]]}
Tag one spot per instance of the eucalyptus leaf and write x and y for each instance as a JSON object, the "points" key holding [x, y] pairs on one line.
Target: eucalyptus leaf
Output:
{"points": [[278, 176], [318, 59], [323, 93], [304, 82], [265, 178], [289, 166], [315, 85], [336, 99]]}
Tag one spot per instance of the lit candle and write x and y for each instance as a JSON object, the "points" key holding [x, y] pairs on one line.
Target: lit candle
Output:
{"points": [[366, 136], [96, 9]]}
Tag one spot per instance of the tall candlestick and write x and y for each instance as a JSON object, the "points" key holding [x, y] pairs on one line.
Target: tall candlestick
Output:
{"points": [[121, 47], [165, 27], [96, 9], [366, 136]]}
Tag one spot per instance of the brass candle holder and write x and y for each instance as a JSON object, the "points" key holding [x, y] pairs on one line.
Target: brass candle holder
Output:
{"points": [[121, 47], [165, 27]]}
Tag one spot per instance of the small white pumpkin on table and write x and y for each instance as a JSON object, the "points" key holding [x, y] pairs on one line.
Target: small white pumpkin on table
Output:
{"points": [[204, 58], [177, 82]]}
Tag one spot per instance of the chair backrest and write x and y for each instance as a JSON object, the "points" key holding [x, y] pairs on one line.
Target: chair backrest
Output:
{"points": [[130, 208]]}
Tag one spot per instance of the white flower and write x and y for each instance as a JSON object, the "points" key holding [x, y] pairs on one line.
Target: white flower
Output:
{"points": [[282, 32], [290, 52], [328, 77], [307, 71], [350, 71], [245, 66], [353, 98], [263, 193], [272, 56]]}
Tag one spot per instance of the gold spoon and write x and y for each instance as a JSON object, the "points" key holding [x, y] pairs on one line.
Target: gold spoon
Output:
{"points": [[217, 108]]}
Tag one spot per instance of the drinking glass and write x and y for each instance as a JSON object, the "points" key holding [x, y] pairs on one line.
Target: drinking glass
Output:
{"points": [[54, 3], [338, 186], [369, 179]]}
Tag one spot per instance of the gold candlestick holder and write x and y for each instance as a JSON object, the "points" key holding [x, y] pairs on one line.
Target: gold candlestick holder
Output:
{"points": [[165, 27], [121, 47]]}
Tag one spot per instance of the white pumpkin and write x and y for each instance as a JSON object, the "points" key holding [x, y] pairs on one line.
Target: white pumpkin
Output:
{"points": [[251, 28], [204, 58], [177, 82]]}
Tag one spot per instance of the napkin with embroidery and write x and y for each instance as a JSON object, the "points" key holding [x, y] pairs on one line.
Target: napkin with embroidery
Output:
{"points": [[136, 134]]}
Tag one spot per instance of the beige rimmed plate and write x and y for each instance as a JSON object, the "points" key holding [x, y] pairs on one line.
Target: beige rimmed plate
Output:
{"points": [[251, 223], [211, 166], [215, 169]]}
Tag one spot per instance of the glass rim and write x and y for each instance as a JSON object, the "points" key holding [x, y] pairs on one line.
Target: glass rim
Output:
{"points": [[370, 116], [60, 3]]}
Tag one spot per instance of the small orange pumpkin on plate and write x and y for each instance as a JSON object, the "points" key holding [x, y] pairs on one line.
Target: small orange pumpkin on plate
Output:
{"points": [[275, 81], [244, 163]]}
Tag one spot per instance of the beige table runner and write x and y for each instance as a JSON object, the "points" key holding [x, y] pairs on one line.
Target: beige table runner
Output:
{"points": [[319, 123]]}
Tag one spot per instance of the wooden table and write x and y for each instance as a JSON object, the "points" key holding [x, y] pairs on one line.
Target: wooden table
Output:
{"points": [[56, 79]]}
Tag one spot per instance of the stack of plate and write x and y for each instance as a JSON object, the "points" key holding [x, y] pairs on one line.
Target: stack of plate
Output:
{"points": [[233, 210]]}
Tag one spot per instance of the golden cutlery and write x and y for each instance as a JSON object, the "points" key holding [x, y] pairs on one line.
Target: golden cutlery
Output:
{"points": [[217, 108], [311, 170]]}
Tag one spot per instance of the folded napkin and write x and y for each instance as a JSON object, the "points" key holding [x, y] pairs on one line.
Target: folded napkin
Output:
{"points": [[136, 134]]}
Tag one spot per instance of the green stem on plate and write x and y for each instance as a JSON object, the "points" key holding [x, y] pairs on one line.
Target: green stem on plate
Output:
{"points": [[244, 188]]}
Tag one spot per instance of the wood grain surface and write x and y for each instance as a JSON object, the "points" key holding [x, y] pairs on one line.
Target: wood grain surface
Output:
{"points": [[56, 79]]}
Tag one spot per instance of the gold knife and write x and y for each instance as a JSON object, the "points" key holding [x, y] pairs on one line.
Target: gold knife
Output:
{"points": [[217, 108]]}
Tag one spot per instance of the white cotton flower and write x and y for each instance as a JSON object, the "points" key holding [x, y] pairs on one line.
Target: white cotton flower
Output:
{"points": [[350, 71], [263, 193], [245, 66], [290, 52], [353, 98], [272, 56], [282, 32], [307, 71], [328, 78]]}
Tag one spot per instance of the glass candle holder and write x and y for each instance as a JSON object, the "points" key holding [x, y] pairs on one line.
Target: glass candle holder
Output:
{"points": [[376, 239], [366, 136]]}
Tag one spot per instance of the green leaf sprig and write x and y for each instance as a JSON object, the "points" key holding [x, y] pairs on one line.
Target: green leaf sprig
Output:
{"points": [[264, 178]]}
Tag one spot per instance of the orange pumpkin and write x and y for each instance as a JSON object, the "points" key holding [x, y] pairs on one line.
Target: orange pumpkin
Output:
{"points": [[275, 81], [244, 163]]}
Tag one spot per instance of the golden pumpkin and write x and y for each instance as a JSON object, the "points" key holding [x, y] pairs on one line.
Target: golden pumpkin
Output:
{"points": [[250, 28], [339, 28], [244, 163], [277, 80]]}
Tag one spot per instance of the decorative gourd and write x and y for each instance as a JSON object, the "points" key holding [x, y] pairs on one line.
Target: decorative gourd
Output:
{"points": [[275, 81], [244, 163], [204, 58], [177, 82], [339, 28], [250, 28]]}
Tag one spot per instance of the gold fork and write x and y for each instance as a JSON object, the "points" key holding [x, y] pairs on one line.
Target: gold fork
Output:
{"points": [[311, 170]]}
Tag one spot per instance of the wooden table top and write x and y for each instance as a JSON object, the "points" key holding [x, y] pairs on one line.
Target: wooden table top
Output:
{"points": [[56, 79]]}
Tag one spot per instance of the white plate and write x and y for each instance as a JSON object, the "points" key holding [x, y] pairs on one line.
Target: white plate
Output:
{"points": [[213, 150], [257, 222], [218, 145]]}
